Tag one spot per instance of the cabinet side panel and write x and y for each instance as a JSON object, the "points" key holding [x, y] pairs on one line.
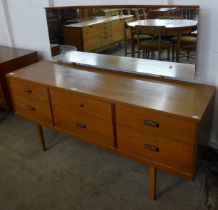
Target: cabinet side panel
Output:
{"points": [[73, 36]]}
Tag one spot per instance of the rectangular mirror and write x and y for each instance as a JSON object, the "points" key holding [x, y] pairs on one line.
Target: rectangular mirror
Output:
{"points": [[166, 33]]}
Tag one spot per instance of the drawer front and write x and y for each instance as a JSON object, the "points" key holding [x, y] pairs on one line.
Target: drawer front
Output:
{"points": [[34, 110], [156, 149], [83, 125], [28, 89], [156, 123], [74, 102], [106, 34]]}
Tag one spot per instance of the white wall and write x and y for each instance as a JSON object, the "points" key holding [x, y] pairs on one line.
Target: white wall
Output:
{"points": [[29, 29], [4, 36], [111, 2], [207, 65]]}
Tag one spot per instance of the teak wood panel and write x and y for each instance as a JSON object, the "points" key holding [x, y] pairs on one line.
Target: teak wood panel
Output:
{"points": [[157, 149], [74, 36], [91, 37], [149, 121], [85, 105], [106, 34], [118, 30]]}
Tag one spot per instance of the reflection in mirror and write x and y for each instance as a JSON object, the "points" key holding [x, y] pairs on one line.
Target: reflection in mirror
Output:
{"points": [[158, 32]]}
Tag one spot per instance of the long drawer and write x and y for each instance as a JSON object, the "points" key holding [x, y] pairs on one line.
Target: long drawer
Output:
{"points": [[157, 149], [76, 102], [34, 110], [29, 89], [92, 120], [148, 121]]}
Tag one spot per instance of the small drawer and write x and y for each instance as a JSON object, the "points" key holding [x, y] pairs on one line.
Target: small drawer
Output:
{"points": [[74, 102], [83, 125], [28, 89], [148, 121], [34, 110], [156, 149]]}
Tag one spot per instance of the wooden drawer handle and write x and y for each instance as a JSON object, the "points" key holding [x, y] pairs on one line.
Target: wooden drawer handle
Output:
{"points": [[77, 103], [28, 90], [152, 148], [31, 108], [151, 123], [81, 125]]}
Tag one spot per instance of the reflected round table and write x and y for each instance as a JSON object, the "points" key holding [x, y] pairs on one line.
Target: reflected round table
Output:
{"points": [[173, 27]]}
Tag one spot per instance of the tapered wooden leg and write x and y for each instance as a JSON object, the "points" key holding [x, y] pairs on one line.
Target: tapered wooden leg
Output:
{"points": [[152, 174], [41, 136]]}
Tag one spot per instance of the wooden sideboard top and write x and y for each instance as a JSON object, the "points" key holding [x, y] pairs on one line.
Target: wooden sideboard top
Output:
{"points": [[97, 20], [139, 66], [182, 99], [10, 53]]}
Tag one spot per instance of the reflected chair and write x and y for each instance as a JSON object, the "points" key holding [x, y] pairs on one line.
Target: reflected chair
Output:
{"points": [[170, 17], [188, 43], [189, 13], [129, 41], [152, 45]]}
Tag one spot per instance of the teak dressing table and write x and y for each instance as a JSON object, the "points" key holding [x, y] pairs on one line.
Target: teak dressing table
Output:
{"points": [[157, 122]]}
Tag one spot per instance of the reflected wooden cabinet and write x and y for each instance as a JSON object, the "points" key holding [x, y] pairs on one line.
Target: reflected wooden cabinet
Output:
{"points": [[106, 34], [95, 34]]}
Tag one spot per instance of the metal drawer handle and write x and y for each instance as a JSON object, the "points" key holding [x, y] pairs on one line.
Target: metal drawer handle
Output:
{"points": [[77, 103], [151, 123], [31, 108], [81, 125], [28, 90], [152, 148]]}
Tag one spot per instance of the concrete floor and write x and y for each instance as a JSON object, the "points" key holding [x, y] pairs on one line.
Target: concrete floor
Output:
{"points": [[77, 176]]}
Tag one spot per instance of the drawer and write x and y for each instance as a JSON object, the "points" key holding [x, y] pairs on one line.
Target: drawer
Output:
{"points": [[74, 102], [28, 89], [34, 110], [83, 125], [106, 26], [157, 149], [148, 121]]}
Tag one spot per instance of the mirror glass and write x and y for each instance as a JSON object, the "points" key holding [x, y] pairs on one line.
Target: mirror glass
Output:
{"points": [[167, 33]]}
